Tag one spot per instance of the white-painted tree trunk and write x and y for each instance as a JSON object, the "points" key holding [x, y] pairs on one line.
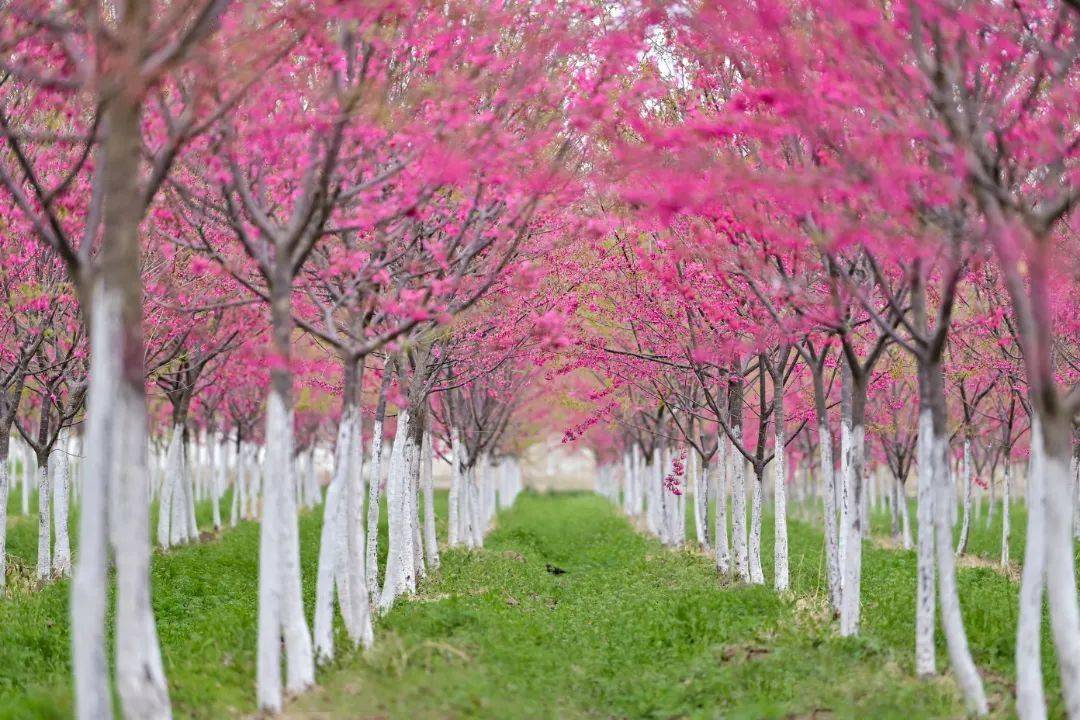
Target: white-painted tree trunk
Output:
{"points": [[374, 496], [719, 484], [479, 515], [738, 512], [454, 514], [44, 549], [93, 697], [1061, 569], [399, 561], [115, 485], [326, 572], [653, 497], [169, 485], [845, 509], [217, 476], [280, 603], [468, 507], [828, 480], [312, 491], [28, 472], [431, 543], [5, 476], [61, 490], [178, 525], [960, 660], [255, 482], [640, 480], [360, 628], [757, 575], [413, 508], [1006, 499], [188, 478], [332, 564], [968, 485], [925, 620], [239, 501], [851, 568], [905, 515], [268, 659], [299, 656], [782, 579], [1030, 700]]}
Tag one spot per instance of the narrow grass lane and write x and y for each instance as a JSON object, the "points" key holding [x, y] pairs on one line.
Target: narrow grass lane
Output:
{"points": [[629, 630]]}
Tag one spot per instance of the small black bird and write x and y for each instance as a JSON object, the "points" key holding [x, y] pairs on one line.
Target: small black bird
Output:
{"points": [[555, 569]]}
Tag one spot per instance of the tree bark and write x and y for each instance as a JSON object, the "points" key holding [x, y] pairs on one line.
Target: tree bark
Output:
{"points": [[431, 543], [925, 663], [455, 514], [61, 490], [280, 603], [399, 562], [963, 666], [375, 491], [1030, 700], [853, 454], [718, 474], [782, 578], [968, 486], [1006, 499], [1060, 556]]}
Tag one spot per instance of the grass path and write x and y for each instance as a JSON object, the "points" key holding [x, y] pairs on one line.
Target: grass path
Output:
{"points": [[630, 630]]}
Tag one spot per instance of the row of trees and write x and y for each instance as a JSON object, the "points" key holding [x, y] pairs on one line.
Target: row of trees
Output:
{"points": [[738, 230], [846, 229], [207, 200]]}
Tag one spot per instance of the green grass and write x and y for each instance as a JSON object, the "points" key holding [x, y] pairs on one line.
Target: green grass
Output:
{"points": [[984, 539], [631, 630], [204, 598]]}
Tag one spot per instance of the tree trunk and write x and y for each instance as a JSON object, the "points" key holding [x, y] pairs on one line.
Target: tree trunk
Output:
{"points": [[27, 473], [895, 489], [374, 492], [359, 626], [455, 514], [905, 518], [968, 486], [925, 663], [782, 578], [738, 484], [757, 575], [62, 554], [280, 603], [399, 561], [1060, 555], [718, 474], [431, 543], [1030, 700], [328, 563], [963, 666], [4, 484], [217, 473], [115, 478], [413, 507], [853, 454], [189, 477], [239, 500], [169, 486], [44, 549], [1006, 499], [828, 481]]}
